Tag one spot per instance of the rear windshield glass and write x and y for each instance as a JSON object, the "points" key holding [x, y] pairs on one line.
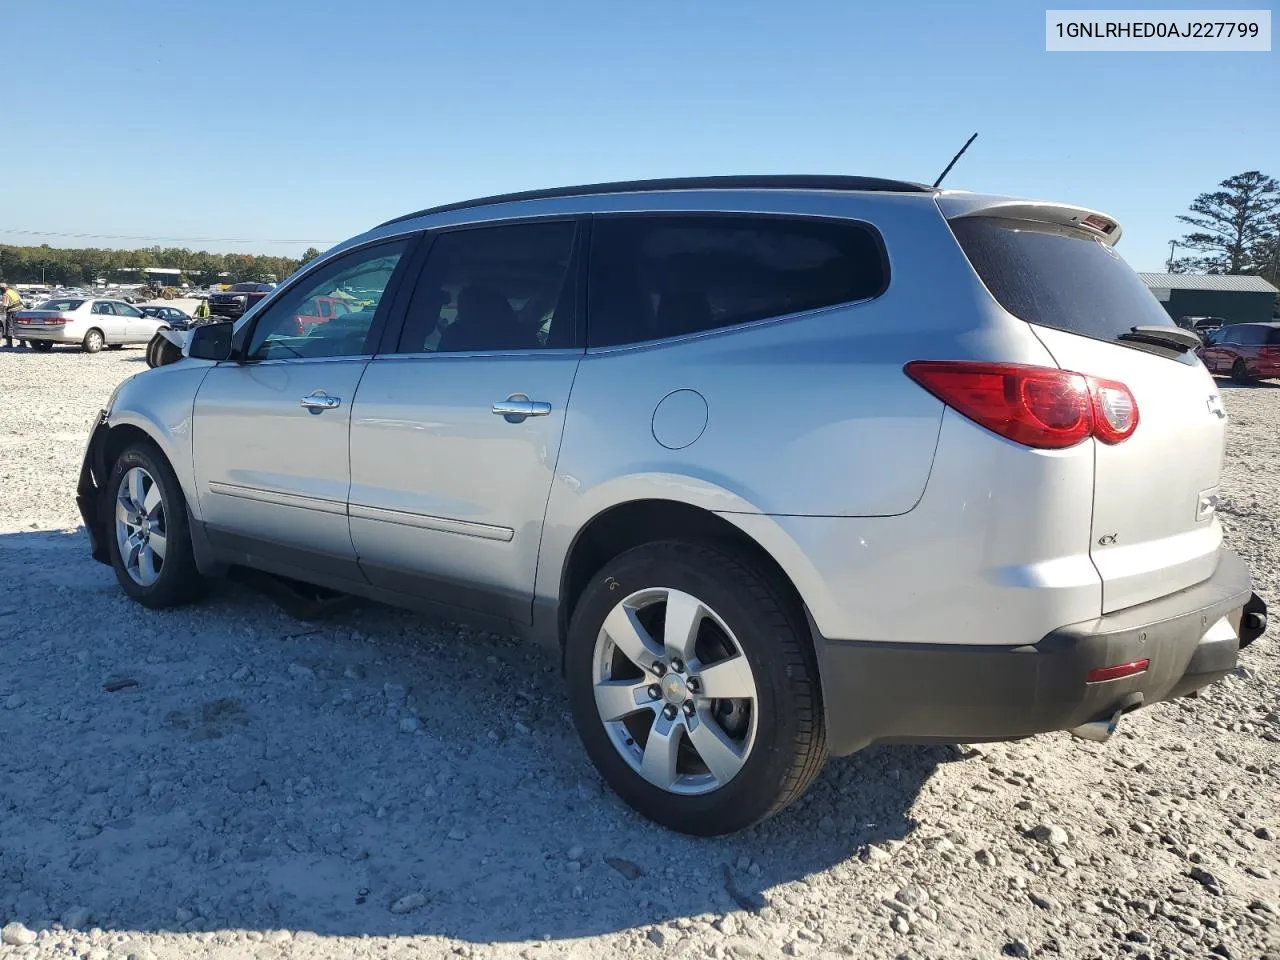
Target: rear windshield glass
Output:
{"points": [[60, 305], [1056, 277]]}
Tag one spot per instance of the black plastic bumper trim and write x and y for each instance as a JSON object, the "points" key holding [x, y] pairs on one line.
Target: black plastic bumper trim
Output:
{"points": [[926, 692]]}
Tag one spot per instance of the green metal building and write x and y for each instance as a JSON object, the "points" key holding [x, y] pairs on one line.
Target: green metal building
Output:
{"points": [[1237, 299]]}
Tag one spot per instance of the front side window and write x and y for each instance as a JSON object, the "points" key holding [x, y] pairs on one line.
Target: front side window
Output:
{"points": [[663, 276], [494, 288], [125, 310], [303, 322]]}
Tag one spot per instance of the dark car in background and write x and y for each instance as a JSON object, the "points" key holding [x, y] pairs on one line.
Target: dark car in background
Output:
{"points": [[1201, 325], [175, 318], [234, 302], [1245, 351]]}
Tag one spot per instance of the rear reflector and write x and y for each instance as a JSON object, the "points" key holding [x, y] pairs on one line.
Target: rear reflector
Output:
{"points": [[1134, 667], [1041, 407]]}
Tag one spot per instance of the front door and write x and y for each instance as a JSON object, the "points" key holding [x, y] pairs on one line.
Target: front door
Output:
{"points": [[271, 431], [136, 326], [1217, 357], [455, 435]]}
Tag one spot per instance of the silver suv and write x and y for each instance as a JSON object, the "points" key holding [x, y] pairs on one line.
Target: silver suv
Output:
{"points": [[779, 467]]}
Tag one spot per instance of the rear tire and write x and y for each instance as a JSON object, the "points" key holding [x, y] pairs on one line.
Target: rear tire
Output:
{"points": [[1240, 372], [93, 341], [149, 539], [768, 711]]}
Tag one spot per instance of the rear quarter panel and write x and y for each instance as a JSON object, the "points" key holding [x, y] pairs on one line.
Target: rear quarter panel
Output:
{"points": [[805, 416]]}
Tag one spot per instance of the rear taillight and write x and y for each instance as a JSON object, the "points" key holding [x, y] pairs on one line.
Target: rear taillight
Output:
{"points": [[1036, 406], [1115, 412]]}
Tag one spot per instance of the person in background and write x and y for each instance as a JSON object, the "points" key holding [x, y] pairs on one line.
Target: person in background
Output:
{"points": [[202, 309], [11, 303]]}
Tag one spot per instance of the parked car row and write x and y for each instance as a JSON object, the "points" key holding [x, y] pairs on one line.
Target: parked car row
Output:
{"points": [[90, 322]]}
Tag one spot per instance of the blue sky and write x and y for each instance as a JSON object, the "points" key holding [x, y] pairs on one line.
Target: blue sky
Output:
{"points": [[312, 121]]}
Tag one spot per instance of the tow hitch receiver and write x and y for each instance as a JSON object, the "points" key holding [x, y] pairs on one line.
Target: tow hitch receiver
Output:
{"points": [[1253, 621]]}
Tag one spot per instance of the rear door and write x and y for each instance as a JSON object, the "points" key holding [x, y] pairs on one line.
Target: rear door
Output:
{"points": [[105, 319], [1155, 530], [455, 433]]}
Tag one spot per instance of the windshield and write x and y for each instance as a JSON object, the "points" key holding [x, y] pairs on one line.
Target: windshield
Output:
{"points": [[249, 287], [1057, 277]]}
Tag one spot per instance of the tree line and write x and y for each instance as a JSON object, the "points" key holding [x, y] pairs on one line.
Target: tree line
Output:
{"points": [[68, 266], [1236, 229]]}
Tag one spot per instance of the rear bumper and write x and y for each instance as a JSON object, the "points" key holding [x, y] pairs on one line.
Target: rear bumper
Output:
{"points": [[52, 334], [911, 692]]}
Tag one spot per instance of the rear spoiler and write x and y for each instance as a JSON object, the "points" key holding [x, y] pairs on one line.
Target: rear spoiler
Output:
{"points": [[956, 204]]}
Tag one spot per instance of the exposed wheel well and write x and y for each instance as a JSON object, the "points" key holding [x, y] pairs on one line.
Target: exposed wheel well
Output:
{"points": [[118, 438], [644, 521]]}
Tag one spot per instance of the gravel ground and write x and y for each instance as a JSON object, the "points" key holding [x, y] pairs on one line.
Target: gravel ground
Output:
{"points": [[225, 781]]}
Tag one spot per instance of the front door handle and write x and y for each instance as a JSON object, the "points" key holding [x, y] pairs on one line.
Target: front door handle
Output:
{"points": [[319, 400], [516, 407]]}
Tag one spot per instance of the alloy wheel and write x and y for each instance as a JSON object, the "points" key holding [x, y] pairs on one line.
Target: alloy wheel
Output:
{"points": [[674, 691], [141, 528]]}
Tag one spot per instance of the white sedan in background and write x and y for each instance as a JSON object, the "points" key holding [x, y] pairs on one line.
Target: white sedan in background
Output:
{"points": [[92, 323]]}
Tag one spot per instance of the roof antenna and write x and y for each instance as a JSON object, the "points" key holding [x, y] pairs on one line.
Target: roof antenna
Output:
{"points": [[944, 173]]}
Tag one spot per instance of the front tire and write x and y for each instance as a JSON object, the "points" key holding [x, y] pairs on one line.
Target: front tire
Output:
{"points": [[1240, 372], [93, 341], [694, 687], [149, 540]]}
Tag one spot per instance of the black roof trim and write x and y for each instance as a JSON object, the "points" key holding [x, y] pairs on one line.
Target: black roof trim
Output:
{"points": [[769, 182]]}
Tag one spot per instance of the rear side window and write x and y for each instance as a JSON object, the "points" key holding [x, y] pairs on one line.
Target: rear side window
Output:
{"points": [[1257, 335], [665, 276], [1057, 277]]}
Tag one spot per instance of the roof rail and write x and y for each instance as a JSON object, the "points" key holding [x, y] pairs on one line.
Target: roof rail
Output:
{"points": [[749, 182]]}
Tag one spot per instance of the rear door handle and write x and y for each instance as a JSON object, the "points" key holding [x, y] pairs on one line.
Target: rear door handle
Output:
{"points": [[318, 401], [516, 407]]}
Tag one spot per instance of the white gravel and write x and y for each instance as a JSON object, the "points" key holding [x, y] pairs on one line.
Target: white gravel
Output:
{"points": [[380, 785]]}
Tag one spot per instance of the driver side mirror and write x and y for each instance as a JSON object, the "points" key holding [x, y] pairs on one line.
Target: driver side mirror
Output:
{"points": [[210, 341]]}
